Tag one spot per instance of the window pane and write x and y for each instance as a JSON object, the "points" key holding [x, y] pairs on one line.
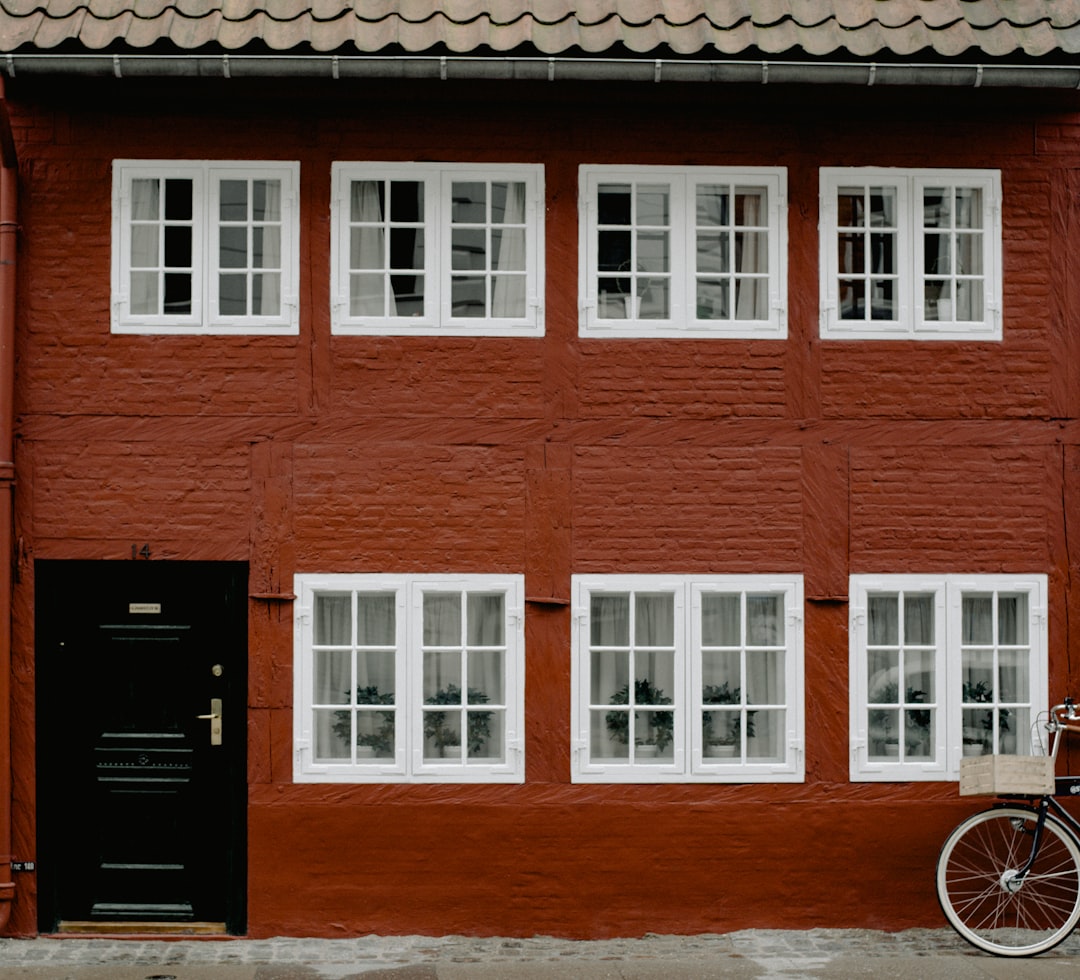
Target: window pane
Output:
{"points": [[233, 204], [652, 205], [233, 248], [467, 297], [1014, 671], [653, 299], [266, 200], [442, 619], [486, 682], [969, 254], [178, 247], [508, 248], [721, 677], [604, 728], [712, 300], [851, 207], [508, 202], [655, 625], [883, 620], [919, 619], [765, 677], [144, 247], [366, 248], [882, 207], [144, 292], [508, 296], [375, 735], [486, 618], [442, 677], [266, 248], [232, 295], [969, 300], [765, 740], [407, 248], [1013, 619], [713, 205], [408, 294], [712, 252], [469, 249], [332, 736], [177, 292], [721, 620], [376, 615], [406, 200], [614, 251], [977, 622], [333, 620], [145, 199], [852, 299], [969, 207], [469, 202], [653, 253], [366, 296], [442, 735], [764, 620], [609, 673], [614, 207], [333, 677], [654, 736], [266, 294], [609, 620], [178, 199]]}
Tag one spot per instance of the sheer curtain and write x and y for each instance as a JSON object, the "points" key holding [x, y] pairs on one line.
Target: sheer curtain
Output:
{"points": [[266, 248], [508, 293], [369, 292], [751, 255]]}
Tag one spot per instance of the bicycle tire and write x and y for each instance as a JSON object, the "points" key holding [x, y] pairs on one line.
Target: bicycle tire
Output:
{"points": [[977, 862]]}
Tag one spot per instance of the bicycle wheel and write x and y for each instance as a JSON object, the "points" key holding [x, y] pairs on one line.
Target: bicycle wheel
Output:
{"points": [[985, 899]]}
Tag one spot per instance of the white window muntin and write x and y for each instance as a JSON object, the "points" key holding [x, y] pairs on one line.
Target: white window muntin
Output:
{"points": [[912, 254], [174, 255], [705, 252], [665, 701], [452, 264], [990, 674], [404, 722]]}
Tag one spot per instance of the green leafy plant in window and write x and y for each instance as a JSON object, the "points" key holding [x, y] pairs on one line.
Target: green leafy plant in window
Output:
{"points": [[442, 734], [381, 740], [730, 732], [661, 724]]}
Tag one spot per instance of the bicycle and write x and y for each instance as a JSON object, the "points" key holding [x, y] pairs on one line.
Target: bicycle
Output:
{"points": [[1008, 878]]}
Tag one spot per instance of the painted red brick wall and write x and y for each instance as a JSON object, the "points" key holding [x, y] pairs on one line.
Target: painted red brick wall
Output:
{"points": [[551, 456]]}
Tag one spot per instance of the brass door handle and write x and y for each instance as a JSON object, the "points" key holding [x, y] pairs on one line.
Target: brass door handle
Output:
{"points": [[215, 721]]}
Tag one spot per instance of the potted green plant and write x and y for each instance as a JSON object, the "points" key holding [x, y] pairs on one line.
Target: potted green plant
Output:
{"points": [[882, 721], [378, 743], [979, 737], [442, 734], [661, 724], [725, 740]]}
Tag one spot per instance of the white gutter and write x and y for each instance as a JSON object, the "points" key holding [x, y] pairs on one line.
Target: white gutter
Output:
{"points": [[455, 67]]}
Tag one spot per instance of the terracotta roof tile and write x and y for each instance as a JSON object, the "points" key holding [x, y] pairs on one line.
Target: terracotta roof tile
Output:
{"points": [[706, 28]]}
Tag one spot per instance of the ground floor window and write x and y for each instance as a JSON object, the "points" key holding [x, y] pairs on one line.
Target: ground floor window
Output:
{"points": [[408, 678], [687, 678], [943, 667]]}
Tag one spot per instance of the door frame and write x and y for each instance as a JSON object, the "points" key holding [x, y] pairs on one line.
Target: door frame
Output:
{"points": [[56, 580]]}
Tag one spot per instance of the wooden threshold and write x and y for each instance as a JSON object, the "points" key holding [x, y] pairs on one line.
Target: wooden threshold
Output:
{"points": [[141, 928]]}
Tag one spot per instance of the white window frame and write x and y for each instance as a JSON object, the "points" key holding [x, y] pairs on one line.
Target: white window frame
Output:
{"points": [[689, 762], [683, 322], [912, 321], [408, 764], [437, 318], [948, 592], [204, 317]]}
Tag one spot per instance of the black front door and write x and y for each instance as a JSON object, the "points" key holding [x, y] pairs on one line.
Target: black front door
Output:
{"points": [[141, 686]]}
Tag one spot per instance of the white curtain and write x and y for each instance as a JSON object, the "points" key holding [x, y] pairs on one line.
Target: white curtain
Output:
{"points": [[266, 248], [508, 295], [370, 292], [752, 251]]}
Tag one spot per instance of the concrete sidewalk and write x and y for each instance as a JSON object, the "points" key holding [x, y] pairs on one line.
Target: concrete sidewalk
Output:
{"points": [[769, 955]]}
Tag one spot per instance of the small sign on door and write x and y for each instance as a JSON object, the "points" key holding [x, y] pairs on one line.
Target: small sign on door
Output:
{"points": [[144, 607]]}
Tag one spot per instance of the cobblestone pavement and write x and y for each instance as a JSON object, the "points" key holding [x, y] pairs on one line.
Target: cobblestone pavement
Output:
{"points": [[912, 954]]}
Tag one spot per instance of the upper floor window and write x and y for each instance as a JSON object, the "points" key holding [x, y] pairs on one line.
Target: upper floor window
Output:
{"points": [[687, 678], [448, 249], [943, 667], [408, 678], [688, 252], [204, 247], [911, 254]]}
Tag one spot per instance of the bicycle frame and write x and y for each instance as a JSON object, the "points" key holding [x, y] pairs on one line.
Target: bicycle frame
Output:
{"points": [[1063, 718]]}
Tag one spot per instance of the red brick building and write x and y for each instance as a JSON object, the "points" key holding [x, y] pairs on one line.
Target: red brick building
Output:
{"points": [[562, 472]]}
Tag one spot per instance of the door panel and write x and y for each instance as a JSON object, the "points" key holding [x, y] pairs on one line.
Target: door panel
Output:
{"points": [[141, 809]]}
